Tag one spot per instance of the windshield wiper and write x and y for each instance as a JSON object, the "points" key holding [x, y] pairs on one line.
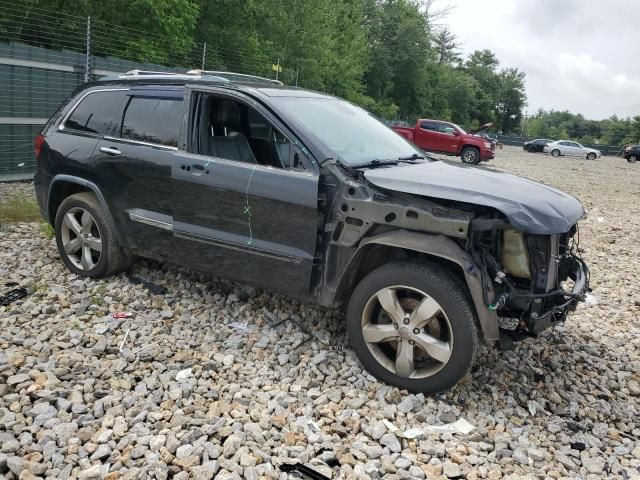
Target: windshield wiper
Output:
{"points": [[415, 156], [375, 164], [383, 163]]}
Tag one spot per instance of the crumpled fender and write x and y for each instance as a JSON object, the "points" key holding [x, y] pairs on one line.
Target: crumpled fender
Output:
{"points": [[443, 247], [529, 206]]}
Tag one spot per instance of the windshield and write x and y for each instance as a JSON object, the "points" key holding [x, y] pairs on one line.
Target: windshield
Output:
{"points": [[351, 132]]}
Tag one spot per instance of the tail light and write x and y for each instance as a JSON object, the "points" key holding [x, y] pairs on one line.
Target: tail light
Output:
{"points": [[38, 144]]}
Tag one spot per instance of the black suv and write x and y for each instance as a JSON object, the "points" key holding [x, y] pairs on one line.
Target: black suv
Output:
{"points": [[536, 145], [306, 193], [631, 153]]}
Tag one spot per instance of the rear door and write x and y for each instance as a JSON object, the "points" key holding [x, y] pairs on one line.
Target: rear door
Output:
{"points": [[565, 148], [132, 166], [72, 144], [247, 221], [426, 136]]}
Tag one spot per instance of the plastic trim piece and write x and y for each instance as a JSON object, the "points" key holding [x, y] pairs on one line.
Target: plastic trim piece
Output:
{"points": [[91, 186]]}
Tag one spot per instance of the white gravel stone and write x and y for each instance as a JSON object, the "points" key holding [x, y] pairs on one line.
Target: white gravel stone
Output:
{"points": [[69, 397]]}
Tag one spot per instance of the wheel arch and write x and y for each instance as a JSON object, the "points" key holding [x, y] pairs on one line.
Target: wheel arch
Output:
{"points": [[375, 251], [62, 186]]}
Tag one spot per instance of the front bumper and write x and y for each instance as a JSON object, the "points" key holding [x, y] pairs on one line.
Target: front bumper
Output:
{"points": [[486, 155], [548, 311]]}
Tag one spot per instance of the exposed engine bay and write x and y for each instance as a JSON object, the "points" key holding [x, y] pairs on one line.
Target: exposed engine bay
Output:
{"points": [[536, 279]]}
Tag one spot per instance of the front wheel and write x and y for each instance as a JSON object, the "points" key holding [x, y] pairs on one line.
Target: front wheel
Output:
{"points": [[470, 155], [555, 153], [632, 159], [412, 326], [591, 156]]}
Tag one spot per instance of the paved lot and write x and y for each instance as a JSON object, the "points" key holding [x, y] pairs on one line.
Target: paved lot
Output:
{"points": [[207, 383]]}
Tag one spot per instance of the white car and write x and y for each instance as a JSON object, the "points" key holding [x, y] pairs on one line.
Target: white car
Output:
{"points": [[573, 149]]}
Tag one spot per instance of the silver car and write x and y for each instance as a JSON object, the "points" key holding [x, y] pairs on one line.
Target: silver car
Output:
{"points": [[573, 149]]}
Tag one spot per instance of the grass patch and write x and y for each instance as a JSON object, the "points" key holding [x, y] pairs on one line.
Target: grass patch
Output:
{"points": [[47, 230], [20, 208]]}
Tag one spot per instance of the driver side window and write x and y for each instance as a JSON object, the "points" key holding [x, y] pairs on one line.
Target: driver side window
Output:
{"points": [[229, 129]]}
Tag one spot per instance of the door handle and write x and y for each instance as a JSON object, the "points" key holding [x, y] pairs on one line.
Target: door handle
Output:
{"points": [[110, 150], [195, 169]]}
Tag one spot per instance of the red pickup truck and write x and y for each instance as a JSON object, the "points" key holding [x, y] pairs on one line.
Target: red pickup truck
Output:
{"points": [[448, 138]]}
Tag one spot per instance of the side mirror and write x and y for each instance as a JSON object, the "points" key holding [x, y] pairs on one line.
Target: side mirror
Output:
{"points": [[456, 133]]}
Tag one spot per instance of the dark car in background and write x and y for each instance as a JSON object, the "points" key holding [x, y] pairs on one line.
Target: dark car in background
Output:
{"points": [[631, 153], [309, 194], [537, 145]]}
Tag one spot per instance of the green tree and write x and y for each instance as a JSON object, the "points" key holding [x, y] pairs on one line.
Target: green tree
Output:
{"points": [[447, 48], [511, 100]]}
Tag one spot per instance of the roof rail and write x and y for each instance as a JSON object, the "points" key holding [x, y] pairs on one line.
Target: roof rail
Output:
{"points": [[137, 73], [211, 75], [233, 76]]}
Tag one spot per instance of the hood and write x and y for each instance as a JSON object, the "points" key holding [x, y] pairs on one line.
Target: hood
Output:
{"points": [[481, 128], [529, 206]]}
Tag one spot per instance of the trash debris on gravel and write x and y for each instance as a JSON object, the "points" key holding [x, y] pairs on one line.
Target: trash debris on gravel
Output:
{"points": [[181, 389]]}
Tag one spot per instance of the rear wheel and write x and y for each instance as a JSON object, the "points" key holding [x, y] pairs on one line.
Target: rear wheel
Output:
{"points": [[470, 155], [85, 237], [555, 152], [632, 159], [591, 156], [412, 326]]}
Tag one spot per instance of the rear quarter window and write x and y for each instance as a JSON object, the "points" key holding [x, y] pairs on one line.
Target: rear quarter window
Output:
{"points": [[97, 112], [152, 120]]}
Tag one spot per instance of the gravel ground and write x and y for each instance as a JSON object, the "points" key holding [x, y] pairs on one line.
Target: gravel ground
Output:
{"points": [[206, 381]]}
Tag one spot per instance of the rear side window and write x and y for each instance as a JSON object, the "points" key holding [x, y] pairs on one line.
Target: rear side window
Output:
{"points": [[97, 112], [429, 126], [152, 120]]}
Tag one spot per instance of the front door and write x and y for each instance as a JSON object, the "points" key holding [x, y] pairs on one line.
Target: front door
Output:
{"points": [[444, 139], [245, 196]]}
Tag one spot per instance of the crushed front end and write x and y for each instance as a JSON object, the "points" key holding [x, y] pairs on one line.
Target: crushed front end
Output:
{"points": [[536, 280]]}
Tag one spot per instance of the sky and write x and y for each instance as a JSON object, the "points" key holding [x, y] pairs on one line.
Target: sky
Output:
{"points": [[578, 55]]}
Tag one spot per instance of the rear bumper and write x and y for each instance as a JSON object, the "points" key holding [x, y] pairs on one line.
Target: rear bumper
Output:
{"points": [[41, 182]]}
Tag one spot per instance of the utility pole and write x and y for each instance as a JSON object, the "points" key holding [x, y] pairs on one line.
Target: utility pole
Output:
{"points": [[204, 54], [88, 50], [297, 72], [524, 123]]}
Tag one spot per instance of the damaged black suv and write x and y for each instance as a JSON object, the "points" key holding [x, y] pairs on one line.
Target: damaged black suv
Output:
{"points": [[308, 194]]}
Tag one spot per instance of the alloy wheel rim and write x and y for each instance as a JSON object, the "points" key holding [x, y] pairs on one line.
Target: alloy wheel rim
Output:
{"points": [[633, 158], [407, 332], [469, 156], [81, 238]]}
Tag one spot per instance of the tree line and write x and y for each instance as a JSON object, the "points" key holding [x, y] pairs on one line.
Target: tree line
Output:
{"points": [[394, 57], [571, 126]]}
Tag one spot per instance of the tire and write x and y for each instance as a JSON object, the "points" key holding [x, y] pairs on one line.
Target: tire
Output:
{"points": [[450, 333], [88, 246], [632, 159], [470, 155], [555, 152], [591, 156]]}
